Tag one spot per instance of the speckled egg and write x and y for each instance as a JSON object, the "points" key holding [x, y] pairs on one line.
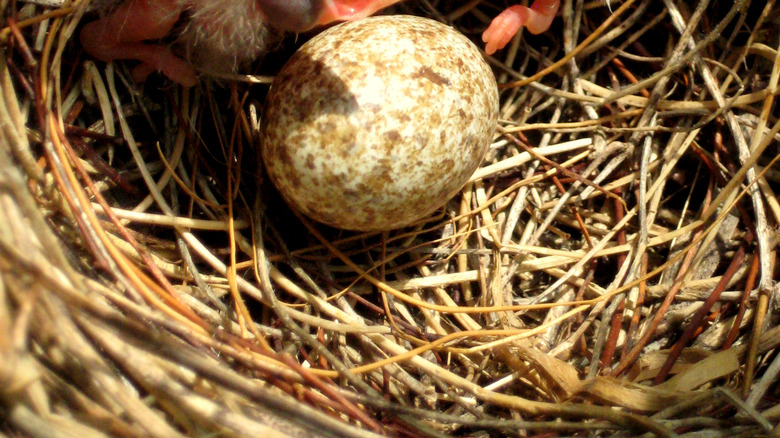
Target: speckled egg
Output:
{"points": [[374, 124]]}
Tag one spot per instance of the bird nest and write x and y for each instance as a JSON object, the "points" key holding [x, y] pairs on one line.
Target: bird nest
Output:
{"points": [[608, 270]]}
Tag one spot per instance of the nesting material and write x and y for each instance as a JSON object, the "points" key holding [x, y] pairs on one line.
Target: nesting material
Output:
{"points": [[609, 270]]}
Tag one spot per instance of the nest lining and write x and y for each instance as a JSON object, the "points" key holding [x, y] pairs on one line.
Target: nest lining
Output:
{"points": [[608, 270]]}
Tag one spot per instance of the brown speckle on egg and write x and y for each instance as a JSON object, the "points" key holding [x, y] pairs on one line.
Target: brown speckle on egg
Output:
{"points": [[376, 123]]}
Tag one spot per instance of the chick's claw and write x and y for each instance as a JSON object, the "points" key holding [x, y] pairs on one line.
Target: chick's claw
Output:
{"points": [[536, 19], [159, 59], [121, 35]]}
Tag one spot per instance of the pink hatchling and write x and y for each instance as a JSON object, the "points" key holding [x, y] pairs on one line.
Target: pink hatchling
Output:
{"points": [[225, 33]]}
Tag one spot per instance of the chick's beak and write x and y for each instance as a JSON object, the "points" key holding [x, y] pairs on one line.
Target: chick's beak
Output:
{"points": [[347, 10]]}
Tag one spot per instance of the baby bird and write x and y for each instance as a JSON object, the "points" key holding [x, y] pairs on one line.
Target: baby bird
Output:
{"points": [[221, 35]]}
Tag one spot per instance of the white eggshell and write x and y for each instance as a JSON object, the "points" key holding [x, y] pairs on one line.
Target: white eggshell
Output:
{"points": [[376, 123]]}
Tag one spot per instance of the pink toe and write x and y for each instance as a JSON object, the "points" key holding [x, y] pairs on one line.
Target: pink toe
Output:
{"points": [[536, 19], [503, 28]]}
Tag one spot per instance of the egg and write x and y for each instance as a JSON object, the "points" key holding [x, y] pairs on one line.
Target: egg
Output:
{"points": [[375, 124]]}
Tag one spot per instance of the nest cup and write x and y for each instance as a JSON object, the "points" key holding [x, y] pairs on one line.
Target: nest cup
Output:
{"points": [[607, 270]]}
